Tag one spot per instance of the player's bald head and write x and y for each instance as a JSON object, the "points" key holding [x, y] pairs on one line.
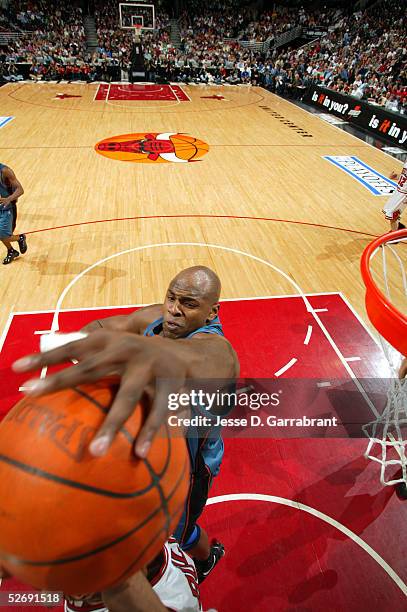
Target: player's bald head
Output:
{"points": [[199, 281], [191, 302]]}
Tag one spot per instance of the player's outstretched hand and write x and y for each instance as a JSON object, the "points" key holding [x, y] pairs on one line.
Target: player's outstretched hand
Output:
{"points": [[139, 362], [403, 368]]}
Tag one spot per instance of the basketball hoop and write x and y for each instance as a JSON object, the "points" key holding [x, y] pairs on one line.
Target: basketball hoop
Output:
{"points": [[386, 318], [388, 431]]}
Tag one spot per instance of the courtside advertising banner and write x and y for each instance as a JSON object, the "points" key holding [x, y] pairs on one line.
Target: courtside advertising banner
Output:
{"points": [[386, 124]]}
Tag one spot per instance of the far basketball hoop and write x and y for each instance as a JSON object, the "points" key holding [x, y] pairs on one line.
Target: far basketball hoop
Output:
{"points": [[386, 294]]}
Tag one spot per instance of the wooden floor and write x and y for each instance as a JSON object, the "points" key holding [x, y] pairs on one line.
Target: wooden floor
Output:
{"points": [[273, 218], [257, 167]]}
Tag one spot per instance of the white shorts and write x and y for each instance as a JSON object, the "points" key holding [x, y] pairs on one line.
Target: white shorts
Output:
{"points": [[176, 585], [395, 205]]}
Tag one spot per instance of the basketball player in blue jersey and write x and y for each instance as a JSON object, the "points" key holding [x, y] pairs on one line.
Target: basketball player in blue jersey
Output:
{"points": [[10, 190], [178, 340]]}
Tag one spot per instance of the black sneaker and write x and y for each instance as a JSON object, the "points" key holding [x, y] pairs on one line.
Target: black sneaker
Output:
{"points": [[22, 244], [401, 490], [401, 226], [11, 255], [204, 568]]}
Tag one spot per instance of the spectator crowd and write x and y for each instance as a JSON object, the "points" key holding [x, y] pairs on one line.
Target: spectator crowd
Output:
{"points": [[362, 54], [50, 36]]}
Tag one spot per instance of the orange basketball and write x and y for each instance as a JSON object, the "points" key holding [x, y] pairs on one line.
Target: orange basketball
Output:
{"points": [[76, 523]]}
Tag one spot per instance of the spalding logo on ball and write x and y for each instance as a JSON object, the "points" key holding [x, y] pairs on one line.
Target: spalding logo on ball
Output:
{"points": [[152, 147]]}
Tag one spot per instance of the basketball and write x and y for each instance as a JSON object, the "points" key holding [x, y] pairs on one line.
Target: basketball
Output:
{"points": [[76, 523]]}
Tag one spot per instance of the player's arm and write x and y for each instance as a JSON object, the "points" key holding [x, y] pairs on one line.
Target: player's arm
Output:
{"points": [[15, 185], [141, 363], [403, 368], [135, 595], [135, 323]]}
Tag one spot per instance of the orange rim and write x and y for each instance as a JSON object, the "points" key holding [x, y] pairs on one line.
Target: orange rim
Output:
{"points": [[385, 314]]}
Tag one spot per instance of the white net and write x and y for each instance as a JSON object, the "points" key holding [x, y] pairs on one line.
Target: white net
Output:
{"points": [[387, 436], [388, 433]]}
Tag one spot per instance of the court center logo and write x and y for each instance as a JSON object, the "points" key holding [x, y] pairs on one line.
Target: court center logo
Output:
{"points": [[153, 147]]}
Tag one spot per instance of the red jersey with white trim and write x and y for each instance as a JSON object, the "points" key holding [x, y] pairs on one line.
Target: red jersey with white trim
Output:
{"points": [[176, 584], [402, 184]]}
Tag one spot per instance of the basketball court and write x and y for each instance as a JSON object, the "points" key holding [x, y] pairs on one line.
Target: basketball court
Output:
{"points": [[127, 184]]}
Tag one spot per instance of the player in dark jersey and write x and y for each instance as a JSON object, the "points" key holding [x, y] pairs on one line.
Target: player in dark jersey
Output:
{"points": [[178, 340], [10, 190]]}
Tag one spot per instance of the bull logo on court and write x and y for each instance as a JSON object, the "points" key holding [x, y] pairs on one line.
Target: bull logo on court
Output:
{"points": [[152, 147]]}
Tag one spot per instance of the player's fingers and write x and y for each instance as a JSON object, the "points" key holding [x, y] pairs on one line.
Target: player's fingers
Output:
{"points": [[93, 368], [156, 417], [72, 350], [125, 402], [63, 380]]}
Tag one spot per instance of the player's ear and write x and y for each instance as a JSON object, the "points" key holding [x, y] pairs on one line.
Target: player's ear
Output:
{"points": [[214, 312]]}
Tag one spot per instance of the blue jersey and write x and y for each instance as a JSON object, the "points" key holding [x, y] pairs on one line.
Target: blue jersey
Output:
{"points": [[4, 190], [214, 327], [208, 443]]}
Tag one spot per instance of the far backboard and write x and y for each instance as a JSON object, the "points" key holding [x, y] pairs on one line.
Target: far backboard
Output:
{"points": [[137, 13]]}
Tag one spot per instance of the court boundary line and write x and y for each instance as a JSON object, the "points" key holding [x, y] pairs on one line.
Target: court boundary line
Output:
{"points": [[6, 328], [246, 146], [175, 93], [99, 85], [323, 517]]}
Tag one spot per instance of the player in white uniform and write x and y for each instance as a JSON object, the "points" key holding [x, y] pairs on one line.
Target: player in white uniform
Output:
{"points": [[397, 202], [175, 581], [178, 585]]}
